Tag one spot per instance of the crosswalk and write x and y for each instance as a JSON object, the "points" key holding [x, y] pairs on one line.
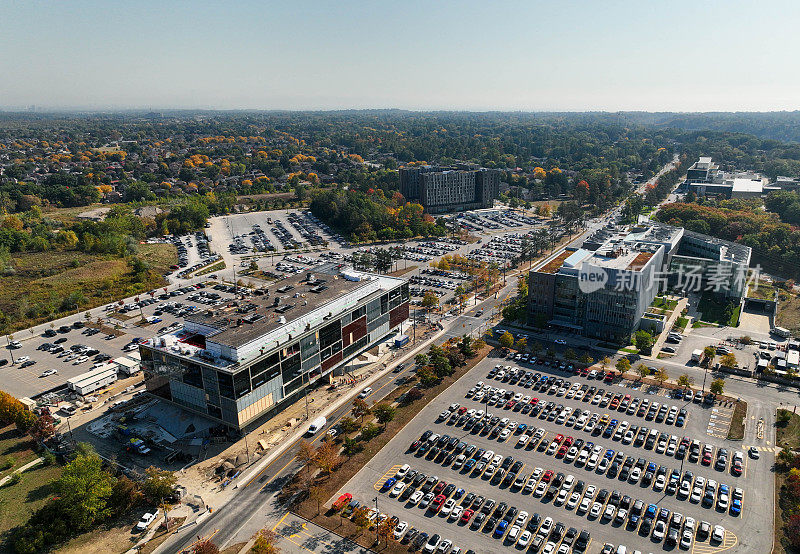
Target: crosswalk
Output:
{"points": [[761, 448]]}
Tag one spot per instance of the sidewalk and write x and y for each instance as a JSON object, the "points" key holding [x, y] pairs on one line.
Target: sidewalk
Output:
{"points": [[27, 466]]}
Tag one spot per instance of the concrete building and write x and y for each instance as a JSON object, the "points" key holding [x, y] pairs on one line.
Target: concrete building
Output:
{"points": [[702, 171], [603, 289], [450, 189], [247, 361]]}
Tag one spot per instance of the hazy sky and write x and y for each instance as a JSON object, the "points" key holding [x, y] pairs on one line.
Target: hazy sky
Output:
{"points": [[474, 55]]}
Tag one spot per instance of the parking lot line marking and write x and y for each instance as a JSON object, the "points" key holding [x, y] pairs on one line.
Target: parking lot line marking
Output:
{"points": [[386, 476], [280, 521]]}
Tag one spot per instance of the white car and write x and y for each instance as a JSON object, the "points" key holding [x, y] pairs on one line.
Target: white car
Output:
{"points": [[365, 393], [596, 509], [523, 440], [448, 507], [584, 505], [573, 500], [397, 490], [48, 373], [80, 360], [540, 489], [146, 521], [659, 530], [610, 512], [23, 359], [415, 498], [718, 535], [400, 530], [456, 513], [686, 539], [561, 498], [524, 539]]}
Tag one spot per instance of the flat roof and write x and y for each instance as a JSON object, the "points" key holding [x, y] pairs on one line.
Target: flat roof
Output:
{"points": [[298, 296], [747, 185]]}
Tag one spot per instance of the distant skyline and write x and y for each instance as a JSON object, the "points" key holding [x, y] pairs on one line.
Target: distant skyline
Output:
{"points": [[467, 55]]}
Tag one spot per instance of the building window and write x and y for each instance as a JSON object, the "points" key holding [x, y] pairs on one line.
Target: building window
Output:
{"points": [[225, 384], [241, 382]]}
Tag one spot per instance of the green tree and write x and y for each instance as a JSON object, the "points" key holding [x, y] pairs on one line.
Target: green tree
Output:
{"points": [[643, 340], [421, 360], [351, 447], [623, 365], [536, 347], [506, 340], [642, 371], [569, 354], [522, 344], [427, 378], [348, 425], [685, 381], [717, 386], [429, 300], [708, 355], [84, 489], [384, 413], [159, 483]]}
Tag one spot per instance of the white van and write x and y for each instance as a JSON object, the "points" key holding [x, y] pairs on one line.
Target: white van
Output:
{"points": [[316, 425]]}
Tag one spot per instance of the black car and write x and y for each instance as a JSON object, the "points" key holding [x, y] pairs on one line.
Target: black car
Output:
{"points": [[491, 524], [49, 333], [28, 363], [478, 520], [410, 535]]}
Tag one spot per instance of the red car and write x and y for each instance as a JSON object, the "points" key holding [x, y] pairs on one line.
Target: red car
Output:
{"points": [[568, 441], [342, 501], [736, 468], [584, 372], [547, 476], [439, 487], [510, 404], [614, 404], [462, 410], [707, 459], [436, 505], [466, 516], [562, 451], [559, 438], [609, 377], [415, 445], [534, 401]]}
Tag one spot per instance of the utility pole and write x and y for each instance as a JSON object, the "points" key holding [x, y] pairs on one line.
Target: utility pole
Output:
{"points": [[377, 525]]}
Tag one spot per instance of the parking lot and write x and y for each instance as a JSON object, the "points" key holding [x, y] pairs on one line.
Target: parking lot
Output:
{"points": [[565, 470], [163, 310]]}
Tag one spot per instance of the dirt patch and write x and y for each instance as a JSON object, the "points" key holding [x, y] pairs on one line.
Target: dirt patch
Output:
{"points": [[736, 431], [789, 312], [403, 271], [233, 549]]}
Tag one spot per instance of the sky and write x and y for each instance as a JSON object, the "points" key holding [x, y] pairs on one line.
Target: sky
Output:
{"points": [[430, 55]]}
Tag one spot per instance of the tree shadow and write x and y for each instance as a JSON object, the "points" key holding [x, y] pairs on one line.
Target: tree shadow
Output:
{"points": [[40, 493]]}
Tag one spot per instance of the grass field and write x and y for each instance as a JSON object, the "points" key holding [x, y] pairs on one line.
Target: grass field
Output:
{"points": [[45, 278], [19, 500], [788, 434]]}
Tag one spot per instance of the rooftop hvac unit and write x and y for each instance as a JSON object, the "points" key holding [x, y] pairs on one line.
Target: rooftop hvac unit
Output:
{"points": [[282, 320]]}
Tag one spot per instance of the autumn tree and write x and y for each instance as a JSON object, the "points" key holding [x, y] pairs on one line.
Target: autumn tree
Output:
{"points": [[306, 454], [360, 409], [360, 518], [642, 371], [728, 360], [265, 543], [205, 546], [506, 340], [661, 375], [327, 457], [522, 344]]}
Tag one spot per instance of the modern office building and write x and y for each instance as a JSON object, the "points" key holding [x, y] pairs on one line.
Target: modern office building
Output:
{"points": [[702, 171], [450, 189], [246, 361], [603, 289]]}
